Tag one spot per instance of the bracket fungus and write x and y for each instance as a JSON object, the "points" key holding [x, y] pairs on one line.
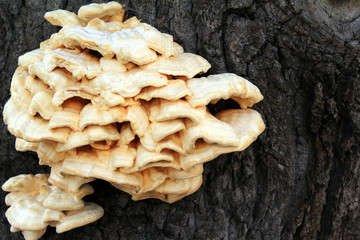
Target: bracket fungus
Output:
{"points": [[117, 100], [35, 204]]}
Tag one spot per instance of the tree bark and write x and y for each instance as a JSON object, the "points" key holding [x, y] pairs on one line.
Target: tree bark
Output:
{"points": [[299, 180]]}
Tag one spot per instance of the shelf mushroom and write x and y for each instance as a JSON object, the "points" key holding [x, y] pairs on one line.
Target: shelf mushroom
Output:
{"points": [[116, 100], [35, 204]]}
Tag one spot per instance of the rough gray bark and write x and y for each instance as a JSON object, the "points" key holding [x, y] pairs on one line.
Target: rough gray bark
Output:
{"points": [[299, 180]]}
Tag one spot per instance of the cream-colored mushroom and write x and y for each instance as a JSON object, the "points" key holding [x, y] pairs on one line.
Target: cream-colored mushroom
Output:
{"points": [[128, 84], [91, 134], [30, 57], [87, 165], [146, 159], [22, 146], [26, 214], [34, 85], [160, 130], [126, 134], [41, 103], [181, 64], [35, 204], [174, 90], [68, 116], [47, 153], [68, 182], [112, 65], [52, 215], [83, 91], [56, 79], [15, 196], [25, 183], [116, 100], [77, 218], [246, 123], [157, 41], [32, 129], [211, 130], [128, 45], [58, 199], [80, 64], [172, 142], [101, 10], [63, 18], [152, 178], [170, 198], [165, 110], [222, 86], [119, 157], [33, 235], [93, 115], [18, 91]]}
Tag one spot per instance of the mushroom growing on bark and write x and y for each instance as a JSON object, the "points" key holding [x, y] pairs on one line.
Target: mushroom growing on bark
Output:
{"points": [[35, 204], [117, 100]]}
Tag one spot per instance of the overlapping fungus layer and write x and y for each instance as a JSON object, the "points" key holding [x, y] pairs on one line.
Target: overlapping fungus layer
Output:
{"points": [[35, 204], [118, 100]]}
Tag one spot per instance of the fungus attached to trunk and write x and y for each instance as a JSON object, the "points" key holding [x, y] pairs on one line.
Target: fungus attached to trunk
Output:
{"points": [[35, 204], [133, 115]]}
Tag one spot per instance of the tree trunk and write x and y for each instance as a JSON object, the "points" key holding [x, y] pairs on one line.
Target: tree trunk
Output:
{"points": [[299, 180]]}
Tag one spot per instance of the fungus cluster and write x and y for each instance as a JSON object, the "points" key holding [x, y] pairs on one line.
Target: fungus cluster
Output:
{"points": [[118, 100], [36, 203]]}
